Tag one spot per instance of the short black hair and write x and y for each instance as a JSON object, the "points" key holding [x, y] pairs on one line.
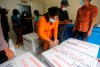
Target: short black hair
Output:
{"points": [[15, 12], [53, 11], [36, 12], [4, 11]]}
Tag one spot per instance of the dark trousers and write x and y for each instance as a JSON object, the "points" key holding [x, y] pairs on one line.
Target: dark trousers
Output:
{"points": [[3, 57], [80, 35], [18, 32], [6, 37], [61, 32]]}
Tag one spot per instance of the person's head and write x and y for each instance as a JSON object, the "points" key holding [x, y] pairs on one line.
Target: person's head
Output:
{"points": [[15, 12], [53, 14], [24, 13], [64, 4], [4, 11], [86, 2], [36, 12]]}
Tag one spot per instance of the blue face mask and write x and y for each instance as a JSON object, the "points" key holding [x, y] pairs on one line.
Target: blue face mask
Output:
{"points": [[81, 2], [52, 20]]}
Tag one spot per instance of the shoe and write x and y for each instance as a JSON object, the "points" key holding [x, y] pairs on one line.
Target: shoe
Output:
{"points": [[17, 46]]}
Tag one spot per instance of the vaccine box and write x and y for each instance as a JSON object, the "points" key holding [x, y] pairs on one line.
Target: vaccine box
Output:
{"points": [[25, 60], [31, 42], [65, 56]]}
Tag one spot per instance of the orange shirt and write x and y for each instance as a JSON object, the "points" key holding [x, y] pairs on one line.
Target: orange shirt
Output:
{"points": [[84, 17], [46, 29]]}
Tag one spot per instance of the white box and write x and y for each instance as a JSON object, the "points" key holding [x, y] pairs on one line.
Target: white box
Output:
{"points": [[82, 46], [31, 42], [62, 56], [11, 46], [25, 60]]}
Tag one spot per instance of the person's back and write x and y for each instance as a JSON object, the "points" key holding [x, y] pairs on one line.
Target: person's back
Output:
{"points": [[36, 19], [17, 27], [15, 20], [4, 23]]}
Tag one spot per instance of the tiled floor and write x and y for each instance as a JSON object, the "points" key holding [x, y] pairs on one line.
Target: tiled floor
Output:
{"points": [[21, 50]]}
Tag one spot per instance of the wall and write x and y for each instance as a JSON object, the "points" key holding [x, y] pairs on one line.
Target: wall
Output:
{"points": [[12, 4], [42, 6], [72, 9], [38, 5]]}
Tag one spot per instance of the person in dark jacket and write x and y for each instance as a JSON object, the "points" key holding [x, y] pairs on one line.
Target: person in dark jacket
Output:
{"points": [[64, 20], [4, 24], [26, 23], [5, 53]]}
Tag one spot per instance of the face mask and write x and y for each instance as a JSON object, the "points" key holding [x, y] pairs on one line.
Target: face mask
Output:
{"points": [[24, 14], [63, 9], [81, 2], [52, 20]]}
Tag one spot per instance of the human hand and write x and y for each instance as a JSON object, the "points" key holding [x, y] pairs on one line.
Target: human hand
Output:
{"points": [[51, 43], [89, 33], [56, 41], [9, 53], [68, 21], [73, 30]]}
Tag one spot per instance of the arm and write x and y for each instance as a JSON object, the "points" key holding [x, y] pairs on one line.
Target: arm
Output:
{"points": [[93, 20], [55, 30], [63, 22], [55, 33], [41, 30]]}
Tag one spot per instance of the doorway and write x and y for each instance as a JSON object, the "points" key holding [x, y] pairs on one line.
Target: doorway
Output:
{"points": [[28, 27]]}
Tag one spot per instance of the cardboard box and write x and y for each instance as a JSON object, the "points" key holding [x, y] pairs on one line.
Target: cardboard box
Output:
{"points": [[63, 56], [31, 42], [82, 46], [25, 60]]}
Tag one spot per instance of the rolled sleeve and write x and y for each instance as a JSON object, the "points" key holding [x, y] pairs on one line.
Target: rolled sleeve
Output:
{"points": [[94, 12]]}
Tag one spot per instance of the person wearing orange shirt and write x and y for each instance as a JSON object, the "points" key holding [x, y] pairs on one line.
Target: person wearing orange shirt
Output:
{"points": [[85, 20], [48, 28]]}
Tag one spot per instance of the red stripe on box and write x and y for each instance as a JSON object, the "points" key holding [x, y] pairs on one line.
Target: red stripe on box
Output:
{"points": [[64, 61], [56, 63], [38, 65]]}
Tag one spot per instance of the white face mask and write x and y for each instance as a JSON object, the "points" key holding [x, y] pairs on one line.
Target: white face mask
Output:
{"points": [[24, 14], [52, 20], [63, 9]]}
